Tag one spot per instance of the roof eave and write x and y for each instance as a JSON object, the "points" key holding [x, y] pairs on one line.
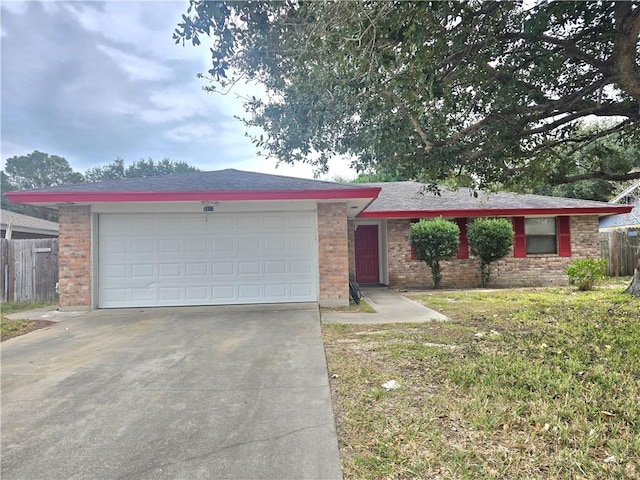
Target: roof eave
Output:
{"points": [[34, 230], [498, 212], [190, 196]]}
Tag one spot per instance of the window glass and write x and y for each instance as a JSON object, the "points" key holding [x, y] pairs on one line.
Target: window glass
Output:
{"points": [[541, 235], [540, 226]]}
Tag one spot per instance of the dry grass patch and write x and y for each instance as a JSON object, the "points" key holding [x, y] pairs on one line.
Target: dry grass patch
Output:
{"points": [[531, 383], [14, 328], [362, 307]]}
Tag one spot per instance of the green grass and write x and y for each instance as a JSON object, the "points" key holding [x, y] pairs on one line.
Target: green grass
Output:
{"points": [[526, 383], [12, 328]]}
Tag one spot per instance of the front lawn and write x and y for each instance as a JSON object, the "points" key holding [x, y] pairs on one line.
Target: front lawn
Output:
{"points": [[526, 383], [13, 328]]}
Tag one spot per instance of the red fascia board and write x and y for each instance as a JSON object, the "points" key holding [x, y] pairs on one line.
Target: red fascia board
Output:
{"points": [[187, 196], [498, 212]]}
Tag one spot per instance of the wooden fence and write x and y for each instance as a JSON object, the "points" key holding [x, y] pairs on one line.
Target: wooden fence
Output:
{"points": [[621, 248], [29, 270]]}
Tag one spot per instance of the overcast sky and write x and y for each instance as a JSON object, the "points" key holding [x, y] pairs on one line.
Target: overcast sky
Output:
{"points": [[91, 81]]}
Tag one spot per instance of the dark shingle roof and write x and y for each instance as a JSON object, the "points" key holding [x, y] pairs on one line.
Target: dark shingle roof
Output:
{"points": [[26, 223], [412, 196], [221, 180], [631, 219]]}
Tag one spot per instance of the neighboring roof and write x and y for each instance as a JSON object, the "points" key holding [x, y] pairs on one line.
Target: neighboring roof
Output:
{"points": [[626, 192], [412, 200], [625, 220], [27, 224], [226, 185]]}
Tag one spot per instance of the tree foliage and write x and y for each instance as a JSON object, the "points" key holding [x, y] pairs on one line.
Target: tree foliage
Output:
{"points": [[117, 170], [490, 239], [610, 156], [428, 89], [40, 170], [435, 240]]}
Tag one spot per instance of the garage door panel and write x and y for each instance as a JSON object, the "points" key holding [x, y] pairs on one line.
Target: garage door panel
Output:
{"points": [[164, 259], [169, 245], [223, 268], [223, 245], [144, 270], [278, 267], [196, 270], [301, 221], [222, 223], [272, 222], [301, 290], [199, 293], [143, 295], [225, 293], [169, 294], [196, 245]]}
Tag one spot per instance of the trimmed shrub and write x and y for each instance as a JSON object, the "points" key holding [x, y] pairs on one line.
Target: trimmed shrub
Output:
{"points": [[434, 240], [586, 273], [490, 239]]}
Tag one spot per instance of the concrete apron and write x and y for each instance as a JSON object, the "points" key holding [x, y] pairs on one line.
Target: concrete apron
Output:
{"points": [[390, 307], [170, 393]]}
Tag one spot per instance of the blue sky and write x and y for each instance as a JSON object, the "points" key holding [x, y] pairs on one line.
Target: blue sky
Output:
{"points": [[91, 81]]}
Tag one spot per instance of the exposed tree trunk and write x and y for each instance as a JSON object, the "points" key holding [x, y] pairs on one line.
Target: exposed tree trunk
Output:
{"points": [[634, 286]]}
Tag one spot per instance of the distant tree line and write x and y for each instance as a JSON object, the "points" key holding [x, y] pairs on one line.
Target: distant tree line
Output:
{"points": [[42, 170]]}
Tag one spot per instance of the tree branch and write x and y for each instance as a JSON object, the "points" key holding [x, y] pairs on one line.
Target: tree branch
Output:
{"points": [[625, 60], [428, 144]]}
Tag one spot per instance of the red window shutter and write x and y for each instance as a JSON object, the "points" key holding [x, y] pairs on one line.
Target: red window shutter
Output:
{"points": [[564, 236], [463, 248], [519, 238], [413, 252]]}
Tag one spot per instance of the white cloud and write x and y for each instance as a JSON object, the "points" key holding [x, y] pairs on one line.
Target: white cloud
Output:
{"points": [[16, 7], [194, 132], [92, 81], [146, 26], [137, 67]]}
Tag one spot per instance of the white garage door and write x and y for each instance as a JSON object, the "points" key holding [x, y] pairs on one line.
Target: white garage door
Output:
{"points": [[206, 259]]}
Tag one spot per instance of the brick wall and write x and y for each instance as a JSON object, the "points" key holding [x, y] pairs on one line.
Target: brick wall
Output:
{"points": [[351, 231], [74, 260], [534, 270], [333, 254]]}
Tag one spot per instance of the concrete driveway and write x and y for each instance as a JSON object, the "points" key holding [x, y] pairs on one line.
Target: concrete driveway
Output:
{"points": [[215, 392]]}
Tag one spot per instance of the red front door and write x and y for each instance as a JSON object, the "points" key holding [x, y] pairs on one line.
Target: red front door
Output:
{"points": [[366, 246]]}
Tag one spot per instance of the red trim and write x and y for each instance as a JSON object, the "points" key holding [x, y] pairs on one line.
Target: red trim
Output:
{"points": [[463, 248], [187, 196], [498, 212], [564, 236], [519, 238]]}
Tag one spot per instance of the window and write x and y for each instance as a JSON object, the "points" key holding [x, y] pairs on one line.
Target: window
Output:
{"points": [[541, 235]]}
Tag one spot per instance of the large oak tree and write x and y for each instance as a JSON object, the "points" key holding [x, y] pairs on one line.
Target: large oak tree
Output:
{"points": [[430, 89]]}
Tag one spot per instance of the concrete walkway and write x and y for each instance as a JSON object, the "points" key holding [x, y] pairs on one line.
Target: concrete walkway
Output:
{"points": [[51, 313], [390, 307]]}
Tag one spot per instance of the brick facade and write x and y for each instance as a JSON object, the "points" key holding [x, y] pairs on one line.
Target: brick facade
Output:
{"points": [[74, 260], [333, 254], [351, 242], [534, 270]]}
